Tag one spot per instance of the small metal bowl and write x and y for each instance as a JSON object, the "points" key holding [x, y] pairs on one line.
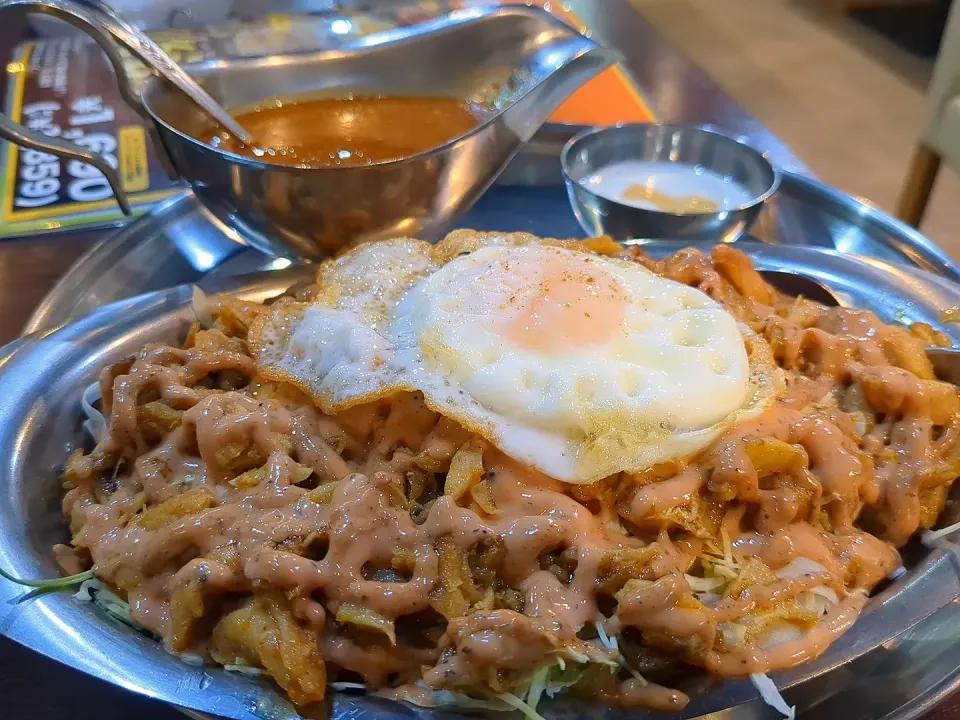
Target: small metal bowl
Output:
{"points": [[697, 147]]}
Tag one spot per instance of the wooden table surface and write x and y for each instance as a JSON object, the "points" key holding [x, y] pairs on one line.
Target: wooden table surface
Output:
{"points": [[31, 686]]}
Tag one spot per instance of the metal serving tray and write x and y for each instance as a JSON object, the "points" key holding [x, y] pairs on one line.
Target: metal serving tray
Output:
{"points": [[43, 375]]}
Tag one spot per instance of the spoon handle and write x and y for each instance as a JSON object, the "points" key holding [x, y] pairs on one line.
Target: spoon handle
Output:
{"points": [[946, 363], [95, 12], [143, 46]]}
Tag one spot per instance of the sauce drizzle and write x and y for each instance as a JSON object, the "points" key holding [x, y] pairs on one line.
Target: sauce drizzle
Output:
{"points": [[223, 500]]}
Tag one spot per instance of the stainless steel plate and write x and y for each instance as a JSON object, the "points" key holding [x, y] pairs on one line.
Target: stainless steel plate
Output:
{"points": [[41, 380], [178, 242]]}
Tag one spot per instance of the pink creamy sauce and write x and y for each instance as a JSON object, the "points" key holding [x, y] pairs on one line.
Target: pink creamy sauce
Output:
{"points": [[870, 425]]}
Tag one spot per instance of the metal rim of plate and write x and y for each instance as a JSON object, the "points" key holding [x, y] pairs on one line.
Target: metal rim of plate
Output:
{"points": [[911, 626]]}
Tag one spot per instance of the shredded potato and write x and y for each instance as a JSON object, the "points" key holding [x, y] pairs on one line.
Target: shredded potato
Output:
{"points": [[362, 617], [190, 502], [264, 633], [466, 469], [770, 456], [388, 545], [455, 587]]}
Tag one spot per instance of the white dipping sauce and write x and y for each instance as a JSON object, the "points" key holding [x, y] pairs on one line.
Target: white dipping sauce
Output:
{"points": [[671, 181]]}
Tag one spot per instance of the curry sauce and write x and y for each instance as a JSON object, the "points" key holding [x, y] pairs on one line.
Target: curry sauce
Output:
{"points": [[347, 132]]}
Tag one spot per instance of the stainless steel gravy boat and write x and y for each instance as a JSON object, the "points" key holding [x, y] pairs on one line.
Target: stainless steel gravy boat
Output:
{"points": [[518, 63]]}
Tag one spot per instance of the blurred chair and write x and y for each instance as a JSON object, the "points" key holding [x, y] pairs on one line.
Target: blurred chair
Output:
{"points": [[940, 141]]}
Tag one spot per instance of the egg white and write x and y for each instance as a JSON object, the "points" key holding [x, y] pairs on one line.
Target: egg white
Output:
{"points": [[403, 315]]}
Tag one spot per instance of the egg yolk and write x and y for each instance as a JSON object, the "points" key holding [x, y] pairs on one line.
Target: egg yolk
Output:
{"points": [[549, 302]]}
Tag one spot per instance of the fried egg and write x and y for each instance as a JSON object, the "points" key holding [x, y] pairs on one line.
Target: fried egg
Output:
{"points": [[572, 362]]}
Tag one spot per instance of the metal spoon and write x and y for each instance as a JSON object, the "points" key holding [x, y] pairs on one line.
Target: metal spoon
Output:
{"points": [[945, 361], [795, 285], [132, 38]]}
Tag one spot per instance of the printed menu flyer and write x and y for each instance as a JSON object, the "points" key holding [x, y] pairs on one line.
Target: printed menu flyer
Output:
{"points": [[64, 87]]}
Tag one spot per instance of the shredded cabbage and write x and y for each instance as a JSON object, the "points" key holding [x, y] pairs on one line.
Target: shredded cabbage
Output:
{"points": [[555, 676], [88, 589], [348, 686], [203, 307], [576, 656], [95, 424], [778, 633], [637, 676], [246, 670], [518, 704], [720, 561], [537, 685], [828, 594], [819, 599], [727, 547], [800, 566], [704, 585], [108, 601], [725, 571], [939, 538], [559, 683], [709, 598], [930, 537], [605, 640], [771, 696]]}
